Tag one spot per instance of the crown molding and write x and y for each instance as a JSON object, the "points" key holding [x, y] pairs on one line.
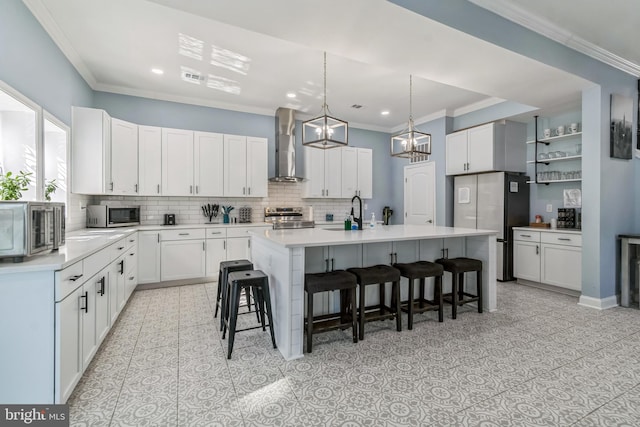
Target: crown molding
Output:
{"points": [[42, 15], [552, 31]]}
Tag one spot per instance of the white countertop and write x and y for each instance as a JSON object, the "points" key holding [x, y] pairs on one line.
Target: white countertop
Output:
{"points": [[82, 243], [550, 230], [308, 237]]}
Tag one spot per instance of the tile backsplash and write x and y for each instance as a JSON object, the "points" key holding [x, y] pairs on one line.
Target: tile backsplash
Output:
{"points": [[188, 209]]}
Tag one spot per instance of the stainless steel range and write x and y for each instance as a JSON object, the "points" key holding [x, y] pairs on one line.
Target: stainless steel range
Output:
{"points": [[287, 218]]}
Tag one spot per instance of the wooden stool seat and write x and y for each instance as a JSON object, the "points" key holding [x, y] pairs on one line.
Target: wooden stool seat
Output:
{"points": [[378, 275], [457, 267], [338, 280], [259, 284], [420, 270]]}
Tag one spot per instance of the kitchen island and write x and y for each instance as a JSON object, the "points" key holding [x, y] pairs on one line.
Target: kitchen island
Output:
{"points": [[286, 255]]}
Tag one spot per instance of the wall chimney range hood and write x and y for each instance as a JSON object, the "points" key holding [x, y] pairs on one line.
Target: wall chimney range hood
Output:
{"points": [[285, 147]]}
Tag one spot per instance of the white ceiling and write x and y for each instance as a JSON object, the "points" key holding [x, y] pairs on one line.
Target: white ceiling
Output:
{"points": [[372, 46]]}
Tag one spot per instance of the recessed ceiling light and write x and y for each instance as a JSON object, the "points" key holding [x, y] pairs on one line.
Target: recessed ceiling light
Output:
{"points": [[157, 71], [384, 112], [291, 95]]}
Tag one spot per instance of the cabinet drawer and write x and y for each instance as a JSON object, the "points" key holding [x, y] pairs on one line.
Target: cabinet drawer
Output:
{"points": [[96, 262], [68, 280], [244, 231], [184, 234], [131, 240], [117, 249], [569, 239], [216, 233], [526, 235]]}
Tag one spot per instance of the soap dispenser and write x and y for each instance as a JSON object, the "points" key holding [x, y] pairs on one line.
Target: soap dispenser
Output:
{"points": [[372, 223]]}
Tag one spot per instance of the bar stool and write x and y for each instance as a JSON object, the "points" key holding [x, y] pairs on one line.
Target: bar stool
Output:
{"points": [[457, 267], [222, 296], [336, 280], [378, 275], [420, 270], [258, 282]]}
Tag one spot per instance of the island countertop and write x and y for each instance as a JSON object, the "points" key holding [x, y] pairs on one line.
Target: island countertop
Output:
{"points": [[310, 237]]}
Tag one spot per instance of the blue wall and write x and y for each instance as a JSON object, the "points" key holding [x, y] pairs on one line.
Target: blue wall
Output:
{"points": [[32, 64]]}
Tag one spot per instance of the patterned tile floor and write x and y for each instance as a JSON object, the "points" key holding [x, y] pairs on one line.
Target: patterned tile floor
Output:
{"points": [[540, 360]]}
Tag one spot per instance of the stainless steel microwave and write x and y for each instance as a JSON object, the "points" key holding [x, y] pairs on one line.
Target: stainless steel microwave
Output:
{"points": [[30, 228], [104, 216]]}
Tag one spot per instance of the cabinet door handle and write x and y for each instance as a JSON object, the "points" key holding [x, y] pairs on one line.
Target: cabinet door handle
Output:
{"points": [[101, 283], [224, 245], [332, 267], [395, 256], [525, 235], [158, 188], [203, 246], [249, 190], [76, 277], [121, 267], [537, 249], [565, 239], [132, 254], [158, 237], [120, 248], [391, 256], [132, 240], [326, 193], [243, 191], [111, 186], [197, 190], [86, 302], [136, 187], [132, 277], [191, 189], [326, 265], [216, 232], [183, 234]]}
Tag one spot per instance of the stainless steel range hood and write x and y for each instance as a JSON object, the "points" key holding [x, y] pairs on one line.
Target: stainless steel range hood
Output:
{"points": [[285, 147]]}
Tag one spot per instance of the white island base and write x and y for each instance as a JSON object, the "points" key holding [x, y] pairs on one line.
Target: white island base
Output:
{"points": [[286, 255]]}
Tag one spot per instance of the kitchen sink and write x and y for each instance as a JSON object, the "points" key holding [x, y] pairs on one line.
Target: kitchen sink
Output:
{"points": [[342, 229]]}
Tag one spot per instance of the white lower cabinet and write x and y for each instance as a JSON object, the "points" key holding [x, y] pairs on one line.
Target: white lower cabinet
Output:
{"points": [[68, 358], [149, 256], [549, 257], [182, 254]]}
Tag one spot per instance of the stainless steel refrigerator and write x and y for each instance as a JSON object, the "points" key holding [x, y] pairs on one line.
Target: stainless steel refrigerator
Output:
{"points": [[493, 201]]}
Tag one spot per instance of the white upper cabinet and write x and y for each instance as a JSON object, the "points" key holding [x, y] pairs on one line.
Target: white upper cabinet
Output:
{"points": [[149, 160], [357, 172], [90, 151], [208, 173], [124, 157], [245, 174], [177, 162], [104, 153], [323, 171], [490, 147]]}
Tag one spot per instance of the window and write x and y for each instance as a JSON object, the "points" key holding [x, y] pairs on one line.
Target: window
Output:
{"points": [[34, 143]]}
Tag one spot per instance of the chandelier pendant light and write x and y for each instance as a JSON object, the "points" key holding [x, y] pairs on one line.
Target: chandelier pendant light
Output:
{"points": [[325, 131], [411, 143]]}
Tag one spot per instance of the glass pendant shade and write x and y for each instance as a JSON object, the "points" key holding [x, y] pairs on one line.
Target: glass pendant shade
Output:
{"points": [[411, 143], [325, 131]]}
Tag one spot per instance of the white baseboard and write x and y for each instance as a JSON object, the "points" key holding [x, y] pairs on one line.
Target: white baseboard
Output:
{"points": [[597, 303]]}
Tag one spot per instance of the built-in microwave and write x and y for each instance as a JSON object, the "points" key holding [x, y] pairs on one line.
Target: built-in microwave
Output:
{"points": [[30, 228], [104, 216]]}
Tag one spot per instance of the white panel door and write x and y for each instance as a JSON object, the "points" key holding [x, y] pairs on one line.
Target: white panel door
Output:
{"points": [[561, 266], [235, 172], [480, 148], [124, 157], [238, 248], [149, 257], [314, 172], [182, 259], [88, 314], [349, 171], [149, 160], [216, 253], [365, 173], [465, 201], [177, 162], [526, 260], [257, 167], [332, 172], [419, 194], [456, 153], [68, 351], [208, 162]]}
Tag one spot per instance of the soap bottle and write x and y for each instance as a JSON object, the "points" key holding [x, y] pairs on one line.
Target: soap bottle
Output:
{"points": [[372, 223], [347, 222]]}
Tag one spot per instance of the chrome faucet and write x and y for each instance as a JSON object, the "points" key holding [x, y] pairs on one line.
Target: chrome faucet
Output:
{"points": [[359, 219]]}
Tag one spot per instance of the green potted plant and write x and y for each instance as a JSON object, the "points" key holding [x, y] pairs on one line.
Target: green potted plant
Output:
{"points": [[50, 187], [12, 186]]}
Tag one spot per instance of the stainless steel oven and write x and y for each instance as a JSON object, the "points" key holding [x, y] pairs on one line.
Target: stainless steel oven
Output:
{"points": [[105, 216], [30, 228]]}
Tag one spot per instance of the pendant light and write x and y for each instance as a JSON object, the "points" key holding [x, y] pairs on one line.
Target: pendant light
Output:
{"points": [[325, 131], [411, 143]]}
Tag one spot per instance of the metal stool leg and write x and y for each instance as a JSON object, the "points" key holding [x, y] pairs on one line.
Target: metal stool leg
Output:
{"points": [[438, 297], [361, 311], [309, 320], [454, 296], [395, 288], [233, 317], [479, 291], [410, 307], [219, 293], [266, 299]]}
